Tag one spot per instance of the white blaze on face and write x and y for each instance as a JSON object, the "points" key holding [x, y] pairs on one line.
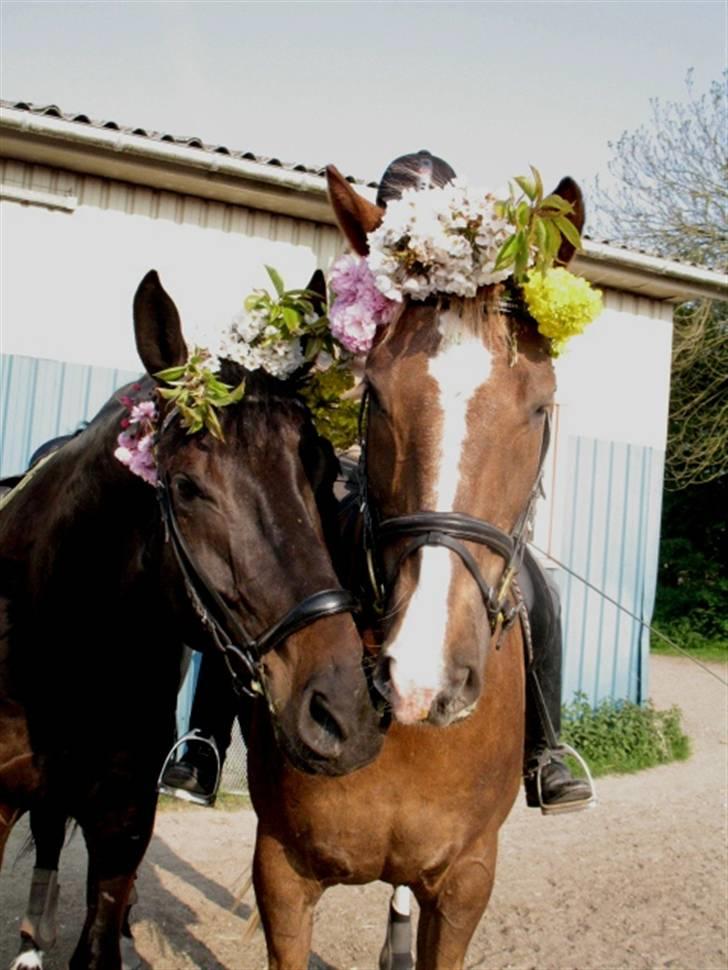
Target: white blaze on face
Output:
{"points": [[417, 669]]}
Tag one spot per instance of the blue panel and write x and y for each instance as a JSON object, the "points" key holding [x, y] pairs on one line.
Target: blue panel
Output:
{"points": [[41, 399], [187, 692], [612, 541]]}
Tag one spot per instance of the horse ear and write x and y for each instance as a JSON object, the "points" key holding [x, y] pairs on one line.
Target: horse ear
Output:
{"points": [[157, 326], [317, 286], [569, 191], [356, 215]]}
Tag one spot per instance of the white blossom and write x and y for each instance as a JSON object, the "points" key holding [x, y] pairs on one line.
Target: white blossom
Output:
{"points": [[442, 240]]}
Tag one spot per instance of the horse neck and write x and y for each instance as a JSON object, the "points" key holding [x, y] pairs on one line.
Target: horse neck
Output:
{"points": [[77, 508]]}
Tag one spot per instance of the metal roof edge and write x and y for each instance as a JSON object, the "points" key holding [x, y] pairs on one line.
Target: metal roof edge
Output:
{"points": [[652, 276], [110, 153]]}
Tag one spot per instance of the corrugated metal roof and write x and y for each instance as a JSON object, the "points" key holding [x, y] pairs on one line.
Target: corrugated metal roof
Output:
{"points": [[187, 141]]}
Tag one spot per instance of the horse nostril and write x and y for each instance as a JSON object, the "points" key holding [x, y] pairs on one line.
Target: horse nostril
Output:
{"points": [[472, 681], [322, 716]]}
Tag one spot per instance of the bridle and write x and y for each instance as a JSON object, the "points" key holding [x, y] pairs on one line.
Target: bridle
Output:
{"points": [[241, 651], [502, 602]]}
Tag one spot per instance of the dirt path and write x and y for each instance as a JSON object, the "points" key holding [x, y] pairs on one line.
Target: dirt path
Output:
{"points": [[641, 882]]}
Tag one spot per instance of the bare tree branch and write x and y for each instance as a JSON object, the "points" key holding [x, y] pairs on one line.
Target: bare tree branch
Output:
{"points": [[669, 196]]}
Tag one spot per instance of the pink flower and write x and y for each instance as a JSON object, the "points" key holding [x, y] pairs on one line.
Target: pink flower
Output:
{"points": [[359, 307], [136, 441], [143, 411]]}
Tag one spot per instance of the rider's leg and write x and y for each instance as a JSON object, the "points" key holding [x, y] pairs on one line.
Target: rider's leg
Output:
{"points": [[549, 782]]}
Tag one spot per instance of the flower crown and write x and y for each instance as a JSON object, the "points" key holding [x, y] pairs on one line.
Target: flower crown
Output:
{"points": [[452, 239], [455, 239], [279, 334]]}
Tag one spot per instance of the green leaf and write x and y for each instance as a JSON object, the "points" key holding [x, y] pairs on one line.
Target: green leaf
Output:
{"points": [[291, 318], [170, 374], [528, 186], [276, 280], [556, 202], [554, 237], [523, 215], [507, 253], [237, 393], [188, 415], [213, 424], [538, 183], [313, 348], [569, 230]]}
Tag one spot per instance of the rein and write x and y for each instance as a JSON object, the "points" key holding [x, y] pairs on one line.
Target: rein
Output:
{"points": [[451, 530], [241, 651]]}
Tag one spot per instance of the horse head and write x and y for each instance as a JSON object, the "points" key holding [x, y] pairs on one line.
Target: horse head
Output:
{"points": [[246, 512], [459, 394]]}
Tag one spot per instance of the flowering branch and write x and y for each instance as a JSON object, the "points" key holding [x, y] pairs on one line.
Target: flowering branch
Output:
{"points": [[197, 393]]}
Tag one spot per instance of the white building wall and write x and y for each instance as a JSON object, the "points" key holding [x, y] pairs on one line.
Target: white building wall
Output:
{"points": [[69, 275]]}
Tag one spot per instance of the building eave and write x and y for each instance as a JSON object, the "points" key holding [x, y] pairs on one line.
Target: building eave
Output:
{"points": [[650, 276], [108, 153]]}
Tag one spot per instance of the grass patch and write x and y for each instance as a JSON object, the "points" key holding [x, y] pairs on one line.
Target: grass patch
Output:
{"points": [[687, 637], [622, 737], [225, 802]]}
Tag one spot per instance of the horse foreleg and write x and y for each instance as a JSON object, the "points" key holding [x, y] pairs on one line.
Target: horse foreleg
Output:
{"points": [[451, 911], [38, 927], [115, 853], [130, 959], [286, 901], [397, 950], [99, 947]]}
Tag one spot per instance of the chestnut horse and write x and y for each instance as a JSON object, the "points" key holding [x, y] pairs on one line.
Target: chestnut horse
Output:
{"points": [[458, 394], [104, 577]]}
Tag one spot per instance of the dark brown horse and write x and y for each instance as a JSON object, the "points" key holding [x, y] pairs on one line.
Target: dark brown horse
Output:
{"points": [[104, 577], [458, 391]]}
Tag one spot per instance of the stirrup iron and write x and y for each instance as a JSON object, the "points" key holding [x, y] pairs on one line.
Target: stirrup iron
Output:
{"points": [[198, 737], [560, 750]]}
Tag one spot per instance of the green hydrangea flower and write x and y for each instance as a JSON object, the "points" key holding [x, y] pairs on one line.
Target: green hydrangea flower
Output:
{"points": [[561, 304]]}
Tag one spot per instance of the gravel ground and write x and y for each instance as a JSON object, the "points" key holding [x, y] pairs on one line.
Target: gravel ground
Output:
{"points": [[640, 882]]}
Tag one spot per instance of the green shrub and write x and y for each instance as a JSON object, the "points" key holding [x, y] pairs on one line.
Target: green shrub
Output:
{"points": [[683, 634], [619, 737]]}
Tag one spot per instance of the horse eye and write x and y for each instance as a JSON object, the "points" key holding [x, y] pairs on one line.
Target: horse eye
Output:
{"points": [[186, 488]]}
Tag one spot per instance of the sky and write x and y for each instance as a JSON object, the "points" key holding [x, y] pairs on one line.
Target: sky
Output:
{"points": [[490, 86]]}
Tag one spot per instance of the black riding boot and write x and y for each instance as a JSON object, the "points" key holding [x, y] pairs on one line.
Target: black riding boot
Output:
{"points": [[549, 783], [195, 777]]}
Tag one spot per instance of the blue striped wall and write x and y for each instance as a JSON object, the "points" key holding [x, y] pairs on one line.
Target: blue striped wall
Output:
{"points": [[611, 539], [41, 399]]}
